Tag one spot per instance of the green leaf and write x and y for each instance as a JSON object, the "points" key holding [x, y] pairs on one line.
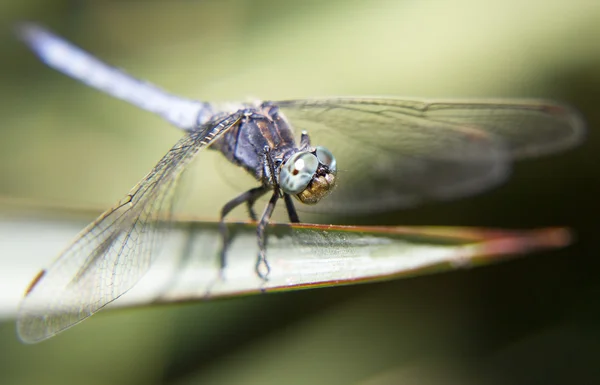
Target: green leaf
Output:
{"points": [[300, 255]]}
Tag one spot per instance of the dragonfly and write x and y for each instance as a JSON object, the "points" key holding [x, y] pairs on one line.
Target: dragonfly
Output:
{"points": [[375, 154]]}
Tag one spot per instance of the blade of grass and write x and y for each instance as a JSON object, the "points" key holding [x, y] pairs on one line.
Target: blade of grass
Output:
{"points": [[300, 255]]}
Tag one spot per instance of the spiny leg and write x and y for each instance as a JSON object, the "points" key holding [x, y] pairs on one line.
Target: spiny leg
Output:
{"points": [[249, 197], [289, 205], [262, 266], [256, 194]]}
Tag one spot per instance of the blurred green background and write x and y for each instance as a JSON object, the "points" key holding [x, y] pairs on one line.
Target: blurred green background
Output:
{"points": [[531, 321]]}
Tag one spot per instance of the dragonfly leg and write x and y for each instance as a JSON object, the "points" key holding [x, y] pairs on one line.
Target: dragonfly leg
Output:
{"points": [[268, 161], [255, 194], [249, 197], [262, 266], [289, 205], [304, 141]]}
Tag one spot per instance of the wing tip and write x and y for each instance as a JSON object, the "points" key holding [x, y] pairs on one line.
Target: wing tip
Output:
{"points": [[31, 328], [574, 119], [574, 125]]}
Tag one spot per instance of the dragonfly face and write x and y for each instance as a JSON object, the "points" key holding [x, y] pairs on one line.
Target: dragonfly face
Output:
{"points": [[395, 153], [309, 175]]}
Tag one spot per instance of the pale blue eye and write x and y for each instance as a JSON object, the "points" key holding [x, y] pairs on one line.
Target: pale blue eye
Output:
{"points": [[326, 158], [297, 172]]}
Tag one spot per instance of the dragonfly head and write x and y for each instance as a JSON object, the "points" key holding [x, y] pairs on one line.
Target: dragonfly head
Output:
{"points": [[309, 175]]}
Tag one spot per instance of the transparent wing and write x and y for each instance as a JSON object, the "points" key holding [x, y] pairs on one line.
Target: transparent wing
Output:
{"points": [[78, 64], [111, 255], [395, 153]]}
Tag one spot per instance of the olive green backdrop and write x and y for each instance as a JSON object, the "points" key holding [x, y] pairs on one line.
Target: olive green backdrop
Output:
{"points": [[531, 321]]}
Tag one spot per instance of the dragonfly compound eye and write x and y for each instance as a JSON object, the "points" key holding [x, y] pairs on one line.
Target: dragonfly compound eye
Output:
{"points": [[309, 176], [297, 172], [326, 158]]}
